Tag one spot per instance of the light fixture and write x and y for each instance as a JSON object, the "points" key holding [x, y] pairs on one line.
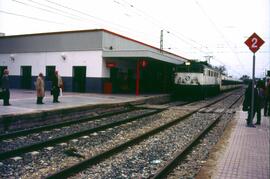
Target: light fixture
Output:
{"points": [[187, 63], [12, 57], [64, 56]]}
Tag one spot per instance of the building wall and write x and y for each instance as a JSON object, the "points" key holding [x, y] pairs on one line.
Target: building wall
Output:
{"points": [[80, 48], [55, 42], [96, 69], [121, 43]]}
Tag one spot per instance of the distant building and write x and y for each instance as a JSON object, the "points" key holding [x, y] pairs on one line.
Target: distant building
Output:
{"points": [[2, 34]]}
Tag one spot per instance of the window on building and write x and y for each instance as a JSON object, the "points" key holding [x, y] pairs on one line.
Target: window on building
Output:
{"points": [[50, 70]]}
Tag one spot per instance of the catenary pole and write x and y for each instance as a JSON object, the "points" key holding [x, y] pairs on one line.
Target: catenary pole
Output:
{"points": [[252, 89]]}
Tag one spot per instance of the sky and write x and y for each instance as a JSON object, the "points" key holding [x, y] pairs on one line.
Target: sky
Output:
{"points": [[213, 30]]}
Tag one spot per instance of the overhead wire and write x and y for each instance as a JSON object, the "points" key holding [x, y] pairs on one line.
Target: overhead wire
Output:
{"points": [[142, 13], [219, 32], [46, 10], [70, 15], [29, 17], [157, 23], [93, 17], [66, 13]]}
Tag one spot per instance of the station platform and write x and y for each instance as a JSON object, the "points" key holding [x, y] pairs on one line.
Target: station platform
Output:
{"points": [[24, 108], [242, 153], [24, 101]]}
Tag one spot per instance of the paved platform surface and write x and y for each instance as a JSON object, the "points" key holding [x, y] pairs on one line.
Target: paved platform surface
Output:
{"points": [[247, 153], [24, 101]]}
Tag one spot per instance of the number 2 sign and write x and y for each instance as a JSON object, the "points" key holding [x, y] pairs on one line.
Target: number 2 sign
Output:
{"points": [[254, 42]]}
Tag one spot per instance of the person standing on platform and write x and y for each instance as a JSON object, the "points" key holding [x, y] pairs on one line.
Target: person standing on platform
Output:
{"points": [[247, 104], [267, 99], [260, 100], [56, 85], [40, 88], [5, 88]]}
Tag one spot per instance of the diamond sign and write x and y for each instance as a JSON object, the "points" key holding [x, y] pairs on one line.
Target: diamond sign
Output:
{"points": [[254, 42]]}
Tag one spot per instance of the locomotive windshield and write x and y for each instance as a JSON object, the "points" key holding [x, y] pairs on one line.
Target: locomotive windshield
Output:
{"points": [[190, 68]]}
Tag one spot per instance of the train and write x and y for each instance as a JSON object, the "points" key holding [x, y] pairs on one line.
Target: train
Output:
{"points": [[199, 80]]}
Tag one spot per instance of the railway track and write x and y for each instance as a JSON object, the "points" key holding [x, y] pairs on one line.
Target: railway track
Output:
{"points": [[103, 120], [35, 145], [170, 165], [20, 133], [25, 132], [196, 158], [86, 159], [102, 156]]}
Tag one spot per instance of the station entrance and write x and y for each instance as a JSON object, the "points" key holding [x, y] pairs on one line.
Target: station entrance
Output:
{"points": [[26, 77], [79, 78], [154, 77], [122, 80]]}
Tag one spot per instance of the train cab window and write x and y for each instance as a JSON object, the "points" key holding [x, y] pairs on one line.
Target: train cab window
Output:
{"points": [[190, 68]]}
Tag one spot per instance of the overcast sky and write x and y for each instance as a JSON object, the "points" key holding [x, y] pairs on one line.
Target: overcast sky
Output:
{"points": [[195, 29]]}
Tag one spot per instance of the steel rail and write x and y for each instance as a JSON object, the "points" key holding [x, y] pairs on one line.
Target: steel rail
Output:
{"points": [[102, 156], [58, 125], [40, 145], [163, 172], [24, 132]]}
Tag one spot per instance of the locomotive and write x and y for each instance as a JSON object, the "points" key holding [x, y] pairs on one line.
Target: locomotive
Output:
{"points": [[199, 80]]}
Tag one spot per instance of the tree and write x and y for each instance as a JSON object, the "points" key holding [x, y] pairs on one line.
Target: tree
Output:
{"points": [[245, 79], [222, 69]]}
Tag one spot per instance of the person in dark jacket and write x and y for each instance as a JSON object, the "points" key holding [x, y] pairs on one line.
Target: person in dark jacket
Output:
{"points": [[267, 99], [56, 85], [260, 100], [5, 88], [247, 104]]}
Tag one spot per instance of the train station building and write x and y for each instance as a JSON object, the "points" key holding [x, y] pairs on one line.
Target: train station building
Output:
{"points": [[98, 61]]}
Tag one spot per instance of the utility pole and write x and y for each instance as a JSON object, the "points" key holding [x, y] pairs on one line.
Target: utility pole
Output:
{"points": [[161, 41]]}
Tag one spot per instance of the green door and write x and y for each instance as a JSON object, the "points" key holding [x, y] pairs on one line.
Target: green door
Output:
{"points": [[79, 78], [26, 77]]}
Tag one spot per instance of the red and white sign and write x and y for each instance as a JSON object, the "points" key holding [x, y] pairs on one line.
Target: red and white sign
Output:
{"points": [[111, 64], [144, 63], [254, 42]]}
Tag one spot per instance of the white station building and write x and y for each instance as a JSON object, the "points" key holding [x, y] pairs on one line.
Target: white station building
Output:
{"points": [[96, 60]]}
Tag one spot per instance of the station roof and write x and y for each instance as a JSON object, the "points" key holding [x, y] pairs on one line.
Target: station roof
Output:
{"points": [[142, 54], [111, 44]]}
